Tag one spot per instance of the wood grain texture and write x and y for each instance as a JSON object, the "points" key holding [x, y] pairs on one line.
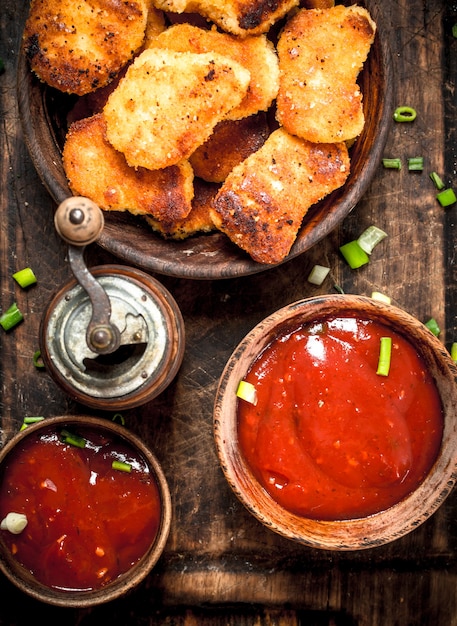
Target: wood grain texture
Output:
{"points": [[220, 565]]}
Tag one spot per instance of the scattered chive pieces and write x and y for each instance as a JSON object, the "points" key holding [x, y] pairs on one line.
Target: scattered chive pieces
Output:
{"points": [[247, 392], [446, 197], [72, 439], [121, 466], [25, 277], [318, 274], [11, 318], [380, 297], [118, 417], [392, 164], [338, 289], [37, 361], [432, 325], [354, 255], [437, 181], [405, 114], [385, 354], [370, 238], [454, 351], [30, 420], [416, 164]]}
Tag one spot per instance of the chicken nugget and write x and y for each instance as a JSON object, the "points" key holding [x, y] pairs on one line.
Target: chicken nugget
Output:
{"points": [[321, 52], [77, 47], [263, 201], [96, 170]]}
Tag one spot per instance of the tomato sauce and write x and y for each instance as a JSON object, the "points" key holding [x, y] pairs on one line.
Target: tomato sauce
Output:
{"points": [[331, 439], [87, 523]]}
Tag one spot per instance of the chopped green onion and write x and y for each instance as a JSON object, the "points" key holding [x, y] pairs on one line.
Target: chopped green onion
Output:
{"points": [[354, 255], [247, 392], [454, 31], [30, 420], [14, 523], [318, 274], [416, 164], [25, 277], [370, 238], [377, 295], [437, 181], [11, 318], [37, 361], [118, 417], [405, 114], [385, 354], [454, 351], [121, 466], [72, 439], [446, 197], [338, 289], [432, 325], [392, 164]]}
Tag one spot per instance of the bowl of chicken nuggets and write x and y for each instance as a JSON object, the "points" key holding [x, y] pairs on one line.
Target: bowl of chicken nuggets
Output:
{"points": [[220, 139]]}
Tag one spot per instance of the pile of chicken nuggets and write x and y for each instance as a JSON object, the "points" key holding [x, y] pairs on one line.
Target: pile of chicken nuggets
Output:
{"points": [[206, 115]]}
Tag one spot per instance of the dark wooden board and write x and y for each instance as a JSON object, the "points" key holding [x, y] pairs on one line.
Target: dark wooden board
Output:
{"points": [[220, 565]]}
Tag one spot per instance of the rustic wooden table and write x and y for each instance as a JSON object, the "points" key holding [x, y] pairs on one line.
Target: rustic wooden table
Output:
{"points": [[220, 565]]}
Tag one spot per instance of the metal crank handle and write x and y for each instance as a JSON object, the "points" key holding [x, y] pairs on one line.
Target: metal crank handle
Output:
{"points": [[79, 222]]}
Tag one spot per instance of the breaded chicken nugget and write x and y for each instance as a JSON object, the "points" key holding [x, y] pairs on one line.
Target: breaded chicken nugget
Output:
{"points": [[78, 47], [230, 143], [199, 219], [263, 201], [256, 54], [240, 17], [96, 170], [321, 53], [169, 102]]}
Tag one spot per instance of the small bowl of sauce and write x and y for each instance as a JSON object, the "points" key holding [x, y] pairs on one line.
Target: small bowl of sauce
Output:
{"points": [[85, 510], [335, 422]]}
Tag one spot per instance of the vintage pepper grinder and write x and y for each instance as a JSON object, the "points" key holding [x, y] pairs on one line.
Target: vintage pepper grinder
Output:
{"points": [[112, 338]]}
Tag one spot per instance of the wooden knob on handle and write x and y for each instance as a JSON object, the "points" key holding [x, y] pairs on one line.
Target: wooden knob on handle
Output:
{"points": [[79, 221]]}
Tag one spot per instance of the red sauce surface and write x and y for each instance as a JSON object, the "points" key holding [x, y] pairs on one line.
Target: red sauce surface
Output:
{"points": [[87, 523], [329, 438]]}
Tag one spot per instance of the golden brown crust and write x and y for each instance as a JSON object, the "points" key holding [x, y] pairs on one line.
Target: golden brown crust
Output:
{"points": [[230, 143], [94, 169], [199, 219], [256, 54], [321, 53], [262, 203], [169, 102], [78, 47]]}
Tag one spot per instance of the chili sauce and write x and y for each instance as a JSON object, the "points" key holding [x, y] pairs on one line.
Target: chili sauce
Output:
{"points": [[87, 523], [331, 439]]}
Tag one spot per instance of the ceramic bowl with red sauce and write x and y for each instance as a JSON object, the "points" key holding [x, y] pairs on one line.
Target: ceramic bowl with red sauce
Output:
{"points": [[85, 510], [344, 436]]}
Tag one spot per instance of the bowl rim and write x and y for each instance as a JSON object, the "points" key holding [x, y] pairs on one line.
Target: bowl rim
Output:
{"points": [[341, 535], [210, 256], [22, 578]]}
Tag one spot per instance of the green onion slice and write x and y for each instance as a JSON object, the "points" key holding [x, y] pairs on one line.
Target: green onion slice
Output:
{"points": [[11, 318], [416, 164], [30, 420], [247, 392], [118, 417], [454, 31], [405, 114], [121, 466], [381, 297], [354, 255], [318, 274], [370, 238], [37, 361], [454, 351], [385, 354], [72, 439], [432, 325], [392, 164], [446, 197], [437, 181], [25, 277]]}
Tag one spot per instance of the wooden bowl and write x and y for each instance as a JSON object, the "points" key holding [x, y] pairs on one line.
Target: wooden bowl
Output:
{"points": [[43, 112], [22, 577], [346, 534]]}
